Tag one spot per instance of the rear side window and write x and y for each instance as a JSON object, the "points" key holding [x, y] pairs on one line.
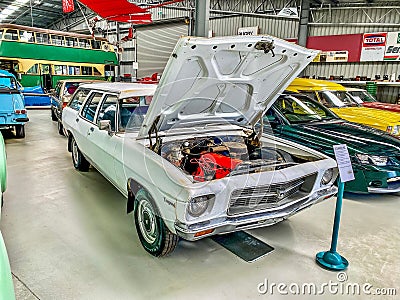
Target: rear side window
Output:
{"points": [[89, 110], [77, 100]]}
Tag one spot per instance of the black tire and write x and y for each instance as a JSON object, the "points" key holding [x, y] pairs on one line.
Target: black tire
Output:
{"points": [[20, 131], [153, 234], [60, 128], [53, 115], [79, 161]]}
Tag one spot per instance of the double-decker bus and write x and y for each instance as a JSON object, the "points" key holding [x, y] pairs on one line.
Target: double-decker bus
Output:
{"points": [[41, 57]]}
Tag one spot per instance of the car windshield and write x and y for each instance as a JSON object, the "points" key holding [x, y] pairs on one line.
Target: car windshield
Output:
{"points": [[332, 99], [8, 83], [301, 109], [362, 96]]}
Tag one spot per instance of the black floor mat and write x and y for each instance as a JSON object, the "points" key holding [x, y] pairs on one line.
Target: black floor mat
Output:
{"points": [[244, 245]]}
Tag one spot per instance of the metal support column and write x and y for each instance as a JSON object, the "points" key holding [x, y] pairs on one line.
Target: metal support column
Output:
{"points": [[202, 18], [118, 68], [303, 25]]}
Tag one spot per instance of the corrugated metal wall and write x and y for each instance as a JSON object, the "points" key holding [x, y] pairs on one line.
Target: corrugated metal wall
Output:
{"points": [[154, 46], [282, 28]]}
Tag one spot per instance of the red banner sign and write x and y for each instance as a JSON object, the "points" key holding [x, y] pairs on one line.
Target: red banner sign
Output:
{"points": [[68, 6]]}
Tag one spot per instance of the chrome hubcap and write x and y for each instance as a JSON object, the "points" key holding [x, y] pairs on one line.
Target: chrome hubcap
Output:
{"points": [[147, 221], [75, 152]]}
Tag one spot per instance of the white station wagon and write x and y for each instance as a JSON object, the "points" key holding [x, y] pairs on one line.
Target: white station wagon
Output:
{"points": [[190, 159]]}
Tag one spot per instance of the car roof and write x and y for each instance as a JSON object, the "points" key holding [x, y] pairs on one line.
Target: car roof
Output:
{"points": [[4, 73], [124, 89], [350, 89], [306, 84], [81, 80]]}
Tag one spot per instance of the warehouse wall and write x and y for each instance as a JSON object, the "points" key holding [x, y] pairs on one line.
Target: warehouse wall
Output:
{"points": [[154, 46]]}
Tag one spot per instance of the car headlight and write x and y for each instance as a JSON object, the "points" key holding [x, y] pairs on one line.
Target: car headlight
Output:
{"points": [[327, 177], [372, 159], [198, 205]]}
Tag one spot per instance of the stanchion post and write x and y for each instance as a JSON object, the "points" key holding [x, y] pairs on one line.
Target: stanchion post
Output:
{"points": [[331, 259]]}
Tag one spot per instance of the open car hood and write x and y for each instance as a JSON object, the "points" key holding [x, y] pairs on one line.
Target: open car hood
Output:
{"points": [[225, 79]]}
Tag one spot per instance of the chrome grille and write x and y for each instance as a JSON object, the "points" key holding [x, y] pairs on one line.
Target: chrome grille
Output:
{"points": [[262, 197]]}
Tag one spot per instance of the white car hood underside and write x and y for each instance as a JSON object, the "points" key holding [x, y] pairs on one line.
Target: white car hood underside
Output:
{"points": [[224, 79]]}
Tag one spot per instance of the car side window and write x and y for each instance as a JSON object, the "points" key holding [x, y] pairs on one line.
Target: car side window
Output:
{"points": [[108, 110], [58, 88], [132, 111], [77, 100], [89, 110]]}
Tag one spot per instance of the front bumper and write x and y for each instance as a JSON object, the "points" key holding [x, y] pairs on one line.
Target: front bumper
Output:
{"points": [[228, 224], [377, 180]]}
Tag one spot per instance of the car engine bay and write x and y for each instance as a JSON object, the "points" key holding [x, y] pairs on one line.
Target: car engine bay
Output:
{"points": [[216, 157]]}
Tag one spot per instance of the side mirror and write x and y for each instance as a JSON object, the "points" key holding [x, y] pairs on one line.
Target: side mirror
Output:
{"points": [[105, 125]]}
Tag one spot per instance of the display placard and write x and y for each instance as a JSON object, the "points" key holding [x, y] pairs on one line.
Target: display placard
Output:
{"points": [[344, 163], [248, 30], [373, 46], [332, 56]]}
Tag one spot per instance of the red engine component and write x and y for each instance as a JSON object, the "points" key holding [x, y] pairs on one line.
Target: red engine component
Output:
{"points": [[213, 166]]}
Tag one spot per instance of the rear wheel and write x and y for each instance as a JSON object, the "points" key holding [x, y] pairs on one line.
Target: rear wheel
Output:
{"points": [[20, 131], [79, 161], [53, 115], [153, 234], [60, 128]]}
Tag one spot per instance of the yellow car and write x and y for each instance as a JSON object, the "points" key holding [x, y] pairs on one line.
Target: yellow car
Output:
{"points": [[335, 97]]}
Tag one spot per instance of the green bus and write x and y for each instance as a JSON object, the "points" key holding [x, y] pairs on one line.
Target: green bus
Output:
{"points": [[41, 57]]}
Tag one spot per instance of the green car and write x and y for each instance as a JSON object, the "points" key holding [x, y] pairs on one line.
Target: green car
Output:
{"points": [[375, 154], [6, 284]]}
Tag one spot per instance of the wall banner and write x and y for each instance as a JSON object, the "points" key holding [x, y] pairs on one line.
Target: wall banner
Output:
{"points": [[373, 46], [392, 51]]}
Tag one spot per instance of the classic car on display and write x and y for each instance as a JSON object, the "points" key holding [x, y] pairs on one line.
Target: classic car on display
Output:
{"points": [[335, 97], [61, 96], [13, 114], [192, 163], [6, 284], [367, 100], [375, 155]]}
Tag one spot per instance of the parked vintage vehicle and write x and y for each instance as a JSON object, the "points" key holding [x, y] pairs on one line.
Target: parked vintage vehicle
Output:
{"points": [[193, 165], [61, 96], [6, 284], [375, 155], [367, 100], [12, 107], [335, 97]]}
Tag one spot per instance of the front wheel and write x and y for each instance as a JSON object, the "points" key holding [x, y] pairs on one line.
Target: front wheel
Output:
{"points": [[153, 234], [20, 131], [79, 161]]}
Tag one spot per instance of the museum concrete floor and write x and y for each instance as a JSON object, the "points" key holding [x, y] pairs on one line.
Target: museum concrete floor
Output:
{"points": [[68, 237]]}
